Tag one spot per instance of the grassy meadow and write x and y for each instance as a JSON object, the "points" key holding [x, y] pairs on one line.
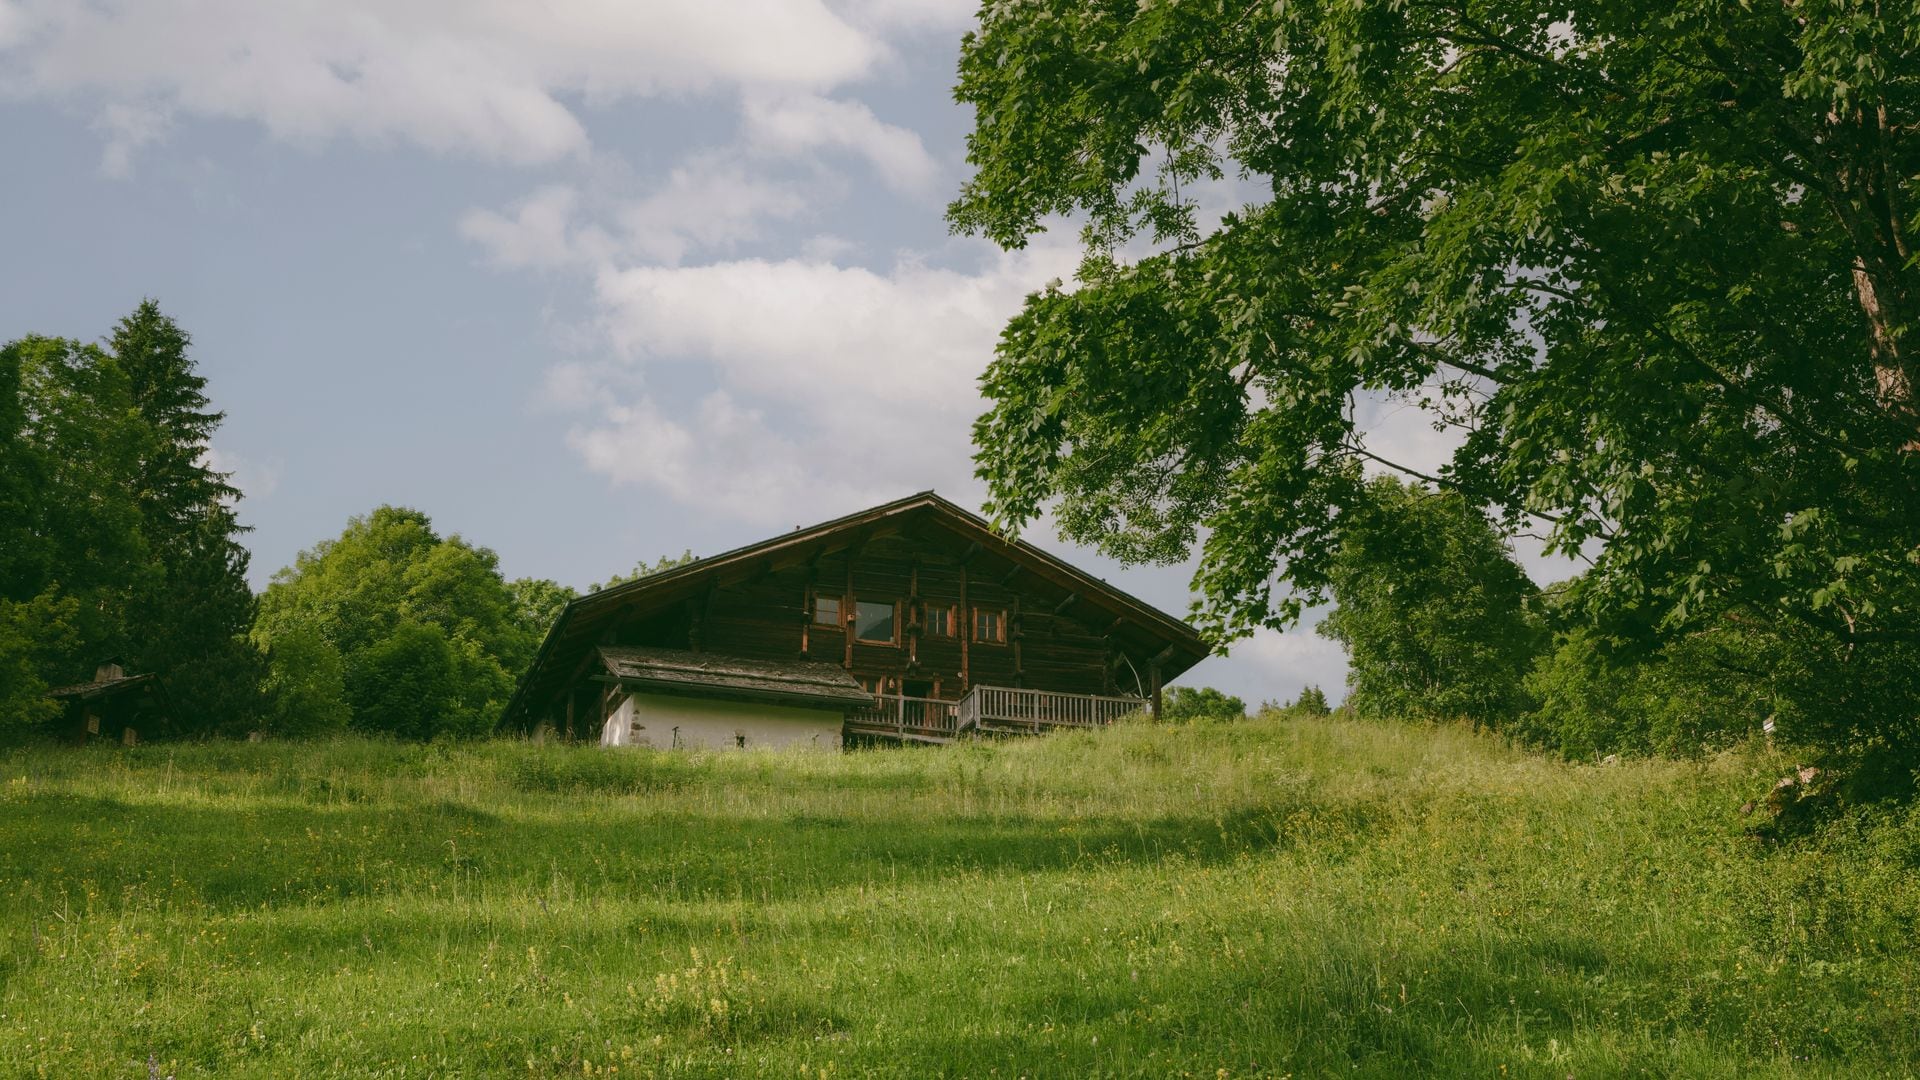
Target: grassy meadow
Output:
{"points": [[1264, 898]]}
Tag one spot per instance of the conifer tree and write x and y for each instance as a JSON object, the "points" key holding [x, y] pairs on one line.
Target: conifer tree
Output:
{"points": [[191, 624]]}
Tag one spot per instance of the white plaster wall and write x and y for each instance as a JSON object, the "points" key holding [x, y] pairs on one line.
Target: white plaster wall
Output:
{"points": [[651, 720], [616, 731]]}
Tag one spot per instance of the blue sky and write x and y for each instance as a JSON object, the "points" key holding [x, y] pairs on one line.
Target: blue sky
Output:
{"points": [[587, 282]]}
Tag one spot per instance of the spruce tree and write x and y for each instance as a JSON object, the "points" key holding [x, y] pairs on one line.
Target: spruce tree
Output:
{"points": [[191, 625]]}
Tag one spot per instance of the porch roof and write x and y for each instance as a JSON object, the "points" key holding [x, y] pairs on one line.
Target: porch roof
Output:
{"points": [[689, 674]]}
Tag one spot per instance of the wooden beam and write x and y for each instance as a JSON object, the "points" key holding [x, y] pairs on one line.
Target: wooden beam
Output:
{"points": [[1017, 629], [1072, 599], [914, 615], [972, 550], [965, 629], [1013, 573], [806, 605]]}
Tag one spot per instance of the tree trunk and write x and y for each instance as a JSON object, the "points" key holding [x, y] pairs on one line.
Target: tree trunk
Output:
{"points": [[1885, 318]]}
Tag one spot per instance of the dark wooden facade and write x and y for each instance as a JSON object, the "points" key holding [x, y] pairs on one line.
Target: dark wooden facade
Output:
{"points": [[917, 597]]}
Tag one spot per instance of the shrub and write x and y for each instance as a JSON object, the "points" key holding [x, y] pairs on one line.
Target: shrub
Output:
{"points": [[406, 685], [1186, 704], [305, 688], [1432, 609]]}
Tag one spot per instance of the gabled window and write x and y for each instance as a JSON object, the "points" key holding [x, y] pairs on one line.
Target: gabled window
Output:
{"points": [[826, 610], [876, 623], [989, 625], [939, 620]]}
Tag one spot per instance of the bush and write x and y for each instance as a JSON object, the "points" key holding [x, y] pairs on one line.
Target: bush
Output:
{"points": [[306, 686], [1186, 704], [406, 685], [1432, 609]]}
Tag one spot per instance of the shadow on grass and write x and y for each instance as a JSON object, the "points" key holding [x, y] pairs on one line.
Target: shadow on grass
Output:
{"points": [[275, 853]]}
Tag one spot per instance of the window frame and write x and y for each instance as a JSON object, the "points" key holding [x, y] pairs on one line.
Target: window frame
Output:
{"points": [[952, 613], [999, 623], [853, 624], [839, 619]]}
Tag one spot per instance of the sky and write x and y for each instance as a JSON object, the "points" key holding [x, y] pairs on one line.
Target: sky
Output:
{"points": [[586, 281]]}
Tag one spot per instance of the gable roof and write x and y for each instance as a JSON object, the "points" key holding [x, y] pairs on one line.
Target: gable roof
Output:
{"points": [[806, 683], [1141, 629]]}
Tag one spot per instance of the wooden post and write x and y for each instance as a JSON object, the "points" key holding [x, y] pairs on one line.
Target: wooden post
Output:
{"points": [[965, 619], [848, 617], [1153, 680], [572, 693], [1017, 629], [915, 615]]}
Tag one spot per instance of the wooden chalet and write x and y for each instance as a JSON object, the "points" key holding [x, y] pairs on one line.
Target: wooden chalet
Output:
{"points": [[910, 621]]}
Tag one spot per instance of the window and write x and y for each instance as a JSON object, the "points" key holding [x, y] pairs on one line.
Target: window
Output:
{"points": [[874, 623], [826, 610], [989, 625], [939, 620]]}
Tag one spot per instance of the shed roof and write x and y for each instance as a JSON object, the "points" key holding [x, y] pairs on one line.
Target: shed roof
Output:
{"points": [[677, 671], [87, 691], [1141, 629]]}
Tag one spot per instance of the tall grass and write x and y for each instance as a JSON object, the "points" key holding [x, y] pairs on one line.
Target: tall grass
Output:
{"points": [[1257, 898]]}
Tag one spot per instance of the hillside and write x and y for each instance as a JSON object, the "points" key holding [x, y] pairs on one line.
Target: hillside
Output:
{"points": [[1260, 898]]}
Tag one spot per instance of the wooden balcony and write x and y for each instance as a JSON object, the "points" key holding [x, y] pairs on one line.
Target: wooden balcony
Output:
{"points": [[908, 719], [1012, 710], [1003, 710]]}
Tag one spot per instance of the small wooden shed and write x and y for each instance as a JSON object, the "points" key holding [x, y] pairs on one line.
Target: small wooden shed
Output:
{"points": [[115, 705]]}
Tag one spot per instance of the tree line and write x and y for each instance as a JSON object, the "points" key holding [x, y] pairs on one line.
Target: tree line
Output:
{"points": [[1440, 623], [119, 539]]}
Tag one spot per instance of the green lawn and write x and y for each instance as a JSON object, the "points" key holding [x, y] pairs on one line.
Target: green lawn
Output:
{"points": [[1262, 898]]}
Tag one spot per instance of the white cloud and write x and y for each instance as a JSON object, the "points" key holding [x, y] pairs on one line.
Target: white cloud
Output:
{"points": [[712, 202], [541, 234], [255, 479], [922, 15], [826, 247], [127, 129], [485, 78], [13, 24], [1289, 662], [796, 124], [1402, 432], [719, 455], [832, 381]]}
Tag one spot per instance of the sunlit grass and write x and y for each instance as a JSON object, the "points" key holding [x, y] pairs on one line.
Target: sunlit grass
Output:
{"points": [[1259, 898]]}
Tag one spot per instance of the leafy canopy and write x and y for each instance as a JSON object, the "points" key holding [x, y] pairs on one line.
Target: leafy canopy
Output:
{"points": [[646, 569], [1432, 608], [1186, 704], [429, 637], [1652, 260]]}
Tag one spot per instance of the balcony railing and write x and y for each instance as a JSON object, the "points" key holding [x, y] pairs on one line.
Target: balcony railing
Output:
{"points": [[1006, 708], [998, 709], [925, 719]]}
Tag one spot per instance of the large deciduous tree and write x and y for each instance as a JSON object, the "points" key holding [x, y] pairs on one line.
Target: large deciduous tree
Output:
{"points": [[1652, 260], [426, 635]]}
